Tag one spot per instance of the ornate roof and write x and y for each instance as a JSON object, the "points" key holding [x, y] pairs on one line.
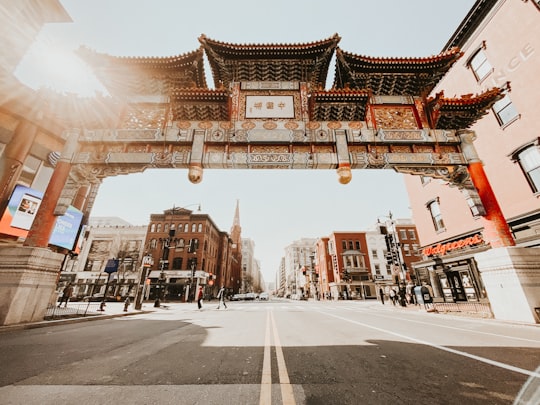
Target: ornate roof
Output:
{"points": [[338, 105], [392, 76], [147, 76], [463, 112], [193, 104], [306, 62]]}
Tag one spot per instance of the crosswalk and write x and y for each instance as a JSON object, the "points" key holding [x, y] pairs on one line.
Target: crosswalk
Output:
{"points": [[281, 307]]}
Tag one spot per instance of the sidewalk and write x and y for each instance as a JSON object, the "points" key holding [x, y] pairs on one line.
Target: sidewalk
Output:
{"points": [[80, 312]]}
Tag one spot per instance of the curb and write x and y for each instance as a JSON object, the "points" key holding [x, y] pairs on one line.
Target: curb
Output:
{"points": [[43, 324]]}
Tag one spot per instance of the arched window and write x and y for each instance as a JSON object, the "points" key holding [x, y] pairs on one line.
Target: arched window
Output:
{"points": [[436, 217], [153, 228], [528, 158], [158, 227], [199, 228], [153, 244], [186, 228], [193, 227]]}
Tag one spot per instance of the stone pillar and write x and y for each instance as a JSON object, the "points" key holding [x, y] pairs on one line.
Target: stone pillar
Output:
{"points": [[27, 279], [12, 160], [511, 276]]}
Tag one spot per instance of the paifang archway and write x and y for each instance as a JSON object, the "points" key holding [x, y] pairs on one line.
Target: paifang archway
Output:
{"points": [[269, 110]]}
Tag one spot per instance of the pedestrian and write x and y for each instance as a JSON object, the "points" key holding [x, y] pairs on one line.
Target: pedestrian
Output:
{"points": [[66, 295], [381, 293], [221, 297], [126, 304], [393, 296], [199, 298]]}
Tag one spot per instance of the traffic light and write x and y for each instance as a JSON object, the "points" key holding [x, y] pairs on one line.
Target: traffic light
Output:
{"points": [[193, 245]]}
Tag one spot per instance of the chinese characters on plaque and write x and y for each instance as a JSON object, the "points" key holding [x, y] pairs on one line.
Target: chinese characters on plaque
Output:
{"points": [[269, 107]]}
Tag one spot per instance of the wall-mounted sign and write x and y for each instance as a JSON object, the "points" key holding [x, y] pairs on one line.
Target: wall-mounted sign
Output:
{"points": [[19, 215], [269, 107], [443, 248]]}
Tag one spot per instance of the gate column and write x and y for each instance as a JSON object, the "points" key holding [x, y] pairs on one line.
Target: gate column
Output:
{"points": [[496, 230], [12, 160], [511, 275], [29, 273]]}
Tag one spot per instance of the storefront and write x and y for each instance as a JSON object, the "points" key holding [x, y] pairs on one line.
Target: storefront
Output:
{"points": [[449, 267]]}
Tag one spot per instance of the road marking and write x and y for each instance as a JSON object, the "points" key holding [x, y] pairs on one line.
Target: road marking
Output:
{"points": [[443, 348], [287, 396], [266, 380], [378, 314]]}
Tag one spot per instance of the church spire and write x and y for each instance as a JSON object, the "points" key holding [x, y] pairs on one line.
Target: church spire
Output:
{"points": [[236, 221], [236, 229]]}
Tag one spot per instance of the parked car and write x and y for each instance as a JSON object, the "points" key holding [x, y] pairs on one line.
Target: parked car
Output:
{"points": [[250, 296], [238, 297], [264, 296], [99, 298]]}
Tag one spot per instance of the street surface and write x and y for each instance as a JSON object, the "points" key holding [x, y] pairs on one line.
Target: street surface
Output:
{"points": [[270, 352]]}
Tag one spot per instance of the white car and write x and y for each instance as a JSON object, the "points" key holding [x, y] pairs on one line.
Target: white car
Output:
{"points": [[264, 296]]}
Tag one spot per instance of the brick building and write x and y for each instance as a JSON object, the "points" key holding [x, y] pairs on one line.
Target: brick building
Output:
{"points": [[497, 53]]}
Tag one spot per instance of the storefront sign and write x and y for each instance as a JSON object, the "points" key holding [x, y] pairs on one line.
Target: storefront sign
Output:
{"points": [[443, 248]]}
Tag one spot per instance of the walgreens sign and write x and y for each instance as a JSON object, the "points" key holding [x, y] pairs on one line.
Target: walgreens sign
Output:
{"points": [[443, 248]]}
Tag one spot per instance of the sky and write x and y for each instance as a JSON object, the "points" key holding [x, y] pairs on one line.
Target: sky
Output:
{"points": [[277, 207]]}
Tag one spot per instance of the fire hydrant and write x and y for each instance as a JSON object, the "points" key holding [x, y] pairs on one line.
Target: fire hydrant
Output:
{"points": [[126, 304]]}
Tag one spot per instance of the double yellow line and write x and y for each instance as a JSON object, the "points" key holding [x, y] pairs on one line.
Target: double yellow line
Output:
{"points": [[287, 395]]}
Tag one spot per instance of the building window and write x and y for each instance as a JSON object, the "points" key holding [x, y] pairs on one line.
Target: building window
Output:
{"points": [[344, 244], [153, 228], [505, 111], [153, 244], [374, 253], [377, 269], [480, 65], [412, 234], [529, 160], [357, 244], [177, 263], [193, 227], [351, 245], [402, 234], [166, 228], [436, 217], [407, 249], [159, 227], [200, 228], [186, 228]]}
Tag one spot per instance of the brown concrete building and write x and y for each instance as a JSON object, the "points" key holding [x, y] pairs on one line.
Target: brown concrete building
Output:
{"points": [[497, 53]]}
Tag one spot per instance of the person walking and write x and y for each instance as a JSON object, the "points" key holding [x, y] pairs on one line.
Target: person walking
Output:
{"points": [[381, 294], [66, 295], [199, 298], [221, 297], [392, 295]]}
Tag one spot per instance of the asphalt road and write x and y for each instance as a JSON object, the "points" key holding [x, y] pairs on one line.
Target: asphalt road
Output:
{"points": [[275, 352]]}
